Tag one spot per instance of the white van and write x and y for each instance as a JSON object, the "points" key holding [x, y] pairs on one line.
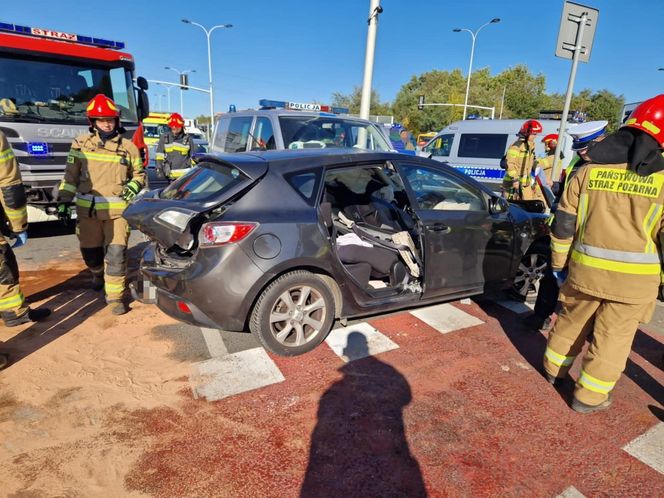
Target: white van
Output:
{"points": [[476, 147]]}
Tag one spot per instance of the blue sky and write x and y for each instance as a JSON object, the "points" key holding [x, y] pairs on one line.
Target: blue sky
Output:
{"points": [[304, 50]]}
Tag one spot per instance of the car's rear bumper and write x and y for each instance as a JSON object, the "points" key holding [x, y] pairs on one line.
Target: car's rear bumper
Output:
{"points": [[211, 287]]}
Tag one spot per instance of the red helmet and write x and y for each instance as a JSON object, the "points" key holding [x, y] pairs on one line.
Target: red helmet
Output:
{"points": [[551, 137], [649, 118], [175, 121], [530, 127], [102, 107]]}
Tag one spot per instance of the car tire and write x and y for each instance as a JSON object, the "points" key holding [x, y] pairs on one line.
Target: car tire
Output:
{"points": [[531, 269], [293, 314]]}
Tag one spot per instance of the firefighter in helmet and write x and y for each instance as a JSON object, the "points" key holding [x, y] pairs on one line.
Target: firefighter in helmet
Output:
{"points": [[518, 182], [606, 255], [174, 150], [14, 224], [104, 172]]}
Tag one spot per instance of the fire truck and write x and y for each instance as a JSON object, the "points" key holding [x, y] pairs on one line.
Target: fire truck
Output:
{"points": [[46, 80]]}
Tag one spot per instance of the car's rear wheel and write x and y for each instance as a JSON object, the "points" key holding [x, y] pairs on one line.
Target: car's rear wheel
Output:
{"points": [[531, 270], [293, 314]]}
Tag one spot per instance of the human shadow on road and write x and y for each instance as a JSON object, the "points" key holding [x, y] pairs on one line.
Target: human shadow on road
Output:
{"points": [[71, 303], [359, 445]]}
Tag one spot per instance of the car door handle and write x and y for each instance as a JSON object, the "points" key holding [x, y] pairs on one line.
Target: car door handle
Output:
{"points": [[439, 227]]}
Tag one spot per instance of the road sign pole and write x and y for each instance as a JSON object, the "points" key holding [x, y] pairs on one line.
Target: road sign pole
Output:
{"points": [[557, 163]]}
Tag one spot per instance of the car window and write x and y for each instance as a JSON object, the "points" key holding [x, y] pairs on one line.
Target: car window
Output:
{"points": [[482, 145], [204, 182], [306, 184], [437, 190], [313, 132], [238, 134], [263, 135], [441, 146]]}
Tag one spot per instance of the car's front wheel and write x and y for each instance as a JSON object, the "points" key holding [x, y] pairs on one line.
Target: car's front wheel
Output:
{"points": [[531, 270], [293, 314]]}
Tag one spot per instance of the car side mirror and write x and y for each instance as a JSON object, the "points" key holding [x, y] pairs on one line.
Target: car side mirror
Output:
{"points": [[498, 205]]}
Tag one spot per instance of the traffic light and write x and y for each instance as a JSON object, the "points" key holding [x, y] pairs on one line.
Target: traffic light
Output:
{"points": [[184, 82], [420, 103]]}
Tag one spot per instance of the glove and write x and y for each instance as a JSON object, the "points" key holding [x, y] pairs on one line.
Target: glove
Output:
{"points": [[130, 191], [561, 276], [21, 239], [64, 212]]}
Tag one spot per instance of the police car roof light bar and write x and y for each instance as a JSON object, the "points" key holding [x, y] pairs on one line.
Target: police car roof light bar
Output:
{"points": [[61, 35], [299, 106]]}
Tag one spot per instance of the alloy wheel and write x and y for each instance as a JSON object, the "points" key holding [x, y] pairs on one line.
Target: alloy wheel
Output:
{"points": [[297, 316]]}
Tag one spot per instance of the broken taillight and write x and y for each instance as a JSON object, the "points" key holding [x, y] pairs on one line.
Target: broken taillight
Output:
{"points": [[220, 233]]}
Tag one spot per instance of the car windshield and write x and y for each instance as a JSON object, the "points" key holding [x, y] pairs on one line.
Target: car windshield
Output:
{"points": [[49, 90], [154, 130], [204, 182], [305, 132]]}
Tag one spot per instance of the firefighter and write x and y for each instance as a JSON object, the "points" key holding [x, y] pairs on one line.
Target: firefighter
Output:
{"points": [[545, 163], [605, 246], [174, 150], [14, 224], [104, 172], [518, 183]]}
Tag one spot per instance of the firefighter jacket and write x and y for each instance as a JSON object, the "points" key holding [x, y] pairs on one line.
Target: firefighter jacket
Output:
{"points": [[173, 154], [97, 173], [520, 159], [607, 230], [12, 192], [546, 163]]}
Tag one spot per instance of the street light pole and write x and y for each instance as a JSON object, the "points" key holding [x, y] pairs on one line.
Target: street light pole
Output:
{"points": [[472, 53], [365, 102], [168, 90], [208, 32], [180, 73]]}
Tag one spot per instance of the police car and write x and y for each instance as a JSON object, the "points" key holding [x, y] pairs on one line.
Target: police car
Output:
{"points": [[280, 125]]}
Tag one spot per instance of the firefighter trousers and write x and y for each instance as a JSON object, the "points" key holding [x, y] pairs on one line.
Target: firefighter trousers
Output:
{"points": [[12, 303], [104, 249], [614, 326]]}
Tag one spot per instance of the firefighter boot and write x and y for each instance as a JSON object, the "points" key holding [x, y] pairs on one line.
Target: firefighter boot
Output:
{"points": [[118, 307], [580, 407], [27, 317], [97, 282]]}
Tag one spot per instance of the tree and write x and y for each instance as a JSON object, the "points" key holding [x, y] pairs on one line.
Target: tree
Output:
{"points": [[352, 102], [203, 119]]}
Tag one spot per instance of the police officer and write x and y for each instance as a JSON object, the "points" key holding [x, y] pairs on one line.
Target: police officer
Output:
{"points": [[174, 150], [584, 135], [606, 253], [518, 184], [104, 171], [13, 309]]}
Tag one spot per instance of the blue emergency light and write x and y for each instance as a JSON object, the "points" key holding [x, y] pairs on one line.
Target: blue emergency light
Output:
{"points": [[61, 35], [37, 148]]}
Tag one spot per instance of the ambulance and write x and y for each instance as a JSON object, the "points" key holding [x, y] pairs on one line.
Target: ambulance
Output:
{"points": [[47, 78]]}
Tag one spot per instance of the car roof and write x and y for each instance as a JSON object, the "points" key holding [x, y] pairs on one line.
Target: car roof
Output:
{"points": [[286, 112], [494, 125], [295, 160]]}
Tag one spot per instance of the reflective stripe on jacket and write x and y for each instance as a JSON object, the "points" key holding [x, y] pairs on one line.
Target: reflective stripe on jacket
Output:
{"points": [[12, 191], [97, 172], [520, 158], [174, 153], [607, 229]]}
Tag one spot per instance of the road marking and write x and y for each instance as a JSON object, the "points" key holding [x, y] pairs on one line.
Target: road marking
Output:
{"points": [[365, 341], [446, 318], [214, 342], [516, 306], [571, 492], [648, 448], [224, 376]]}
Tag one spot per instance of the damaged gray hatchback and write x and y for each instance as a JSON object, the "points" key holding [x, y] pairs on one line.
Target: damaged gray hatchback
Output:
{"points": [[282, 243]]}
